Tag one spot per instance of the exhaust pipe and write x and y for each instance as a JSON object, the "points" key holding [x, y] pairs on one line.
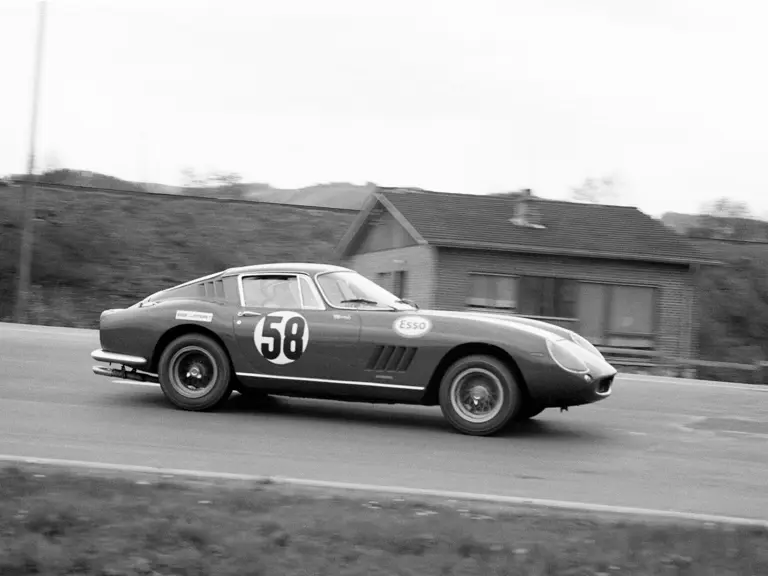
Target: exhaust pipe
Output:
{"points": [[123, 374]]}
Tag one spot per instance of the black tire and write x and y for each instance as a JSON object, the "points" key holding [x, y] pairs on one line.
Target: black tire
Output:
{"points": [[188, 352], [496, 374]]}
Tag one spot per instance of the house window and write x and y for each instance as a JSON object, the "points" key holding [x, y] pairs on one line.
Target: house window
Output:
{"points": [[547, 297], [393, 281], [398, 284], [527, 295], [384, 279], [493, 291], [606, 314], [617, 316]]}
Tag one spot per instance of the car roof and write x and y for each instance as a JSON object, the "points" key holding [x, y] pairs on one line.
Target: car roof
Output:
{"points": [[307, 267], [277, 267]]}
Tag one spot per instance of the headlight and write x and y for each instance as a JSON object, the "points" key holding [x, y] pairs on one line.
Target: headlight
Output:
{"points": [[567, 355], [586, 344]]}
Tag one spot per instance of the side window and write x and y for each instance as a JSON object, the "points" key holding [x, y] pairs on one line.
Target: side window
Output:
{"points": [[337, 290], [311, 301], [271, 292]]}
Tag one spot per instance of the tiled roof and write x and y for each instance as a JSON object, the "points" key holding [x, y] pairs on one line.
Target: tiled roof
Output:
{"points": [[483, 222]]}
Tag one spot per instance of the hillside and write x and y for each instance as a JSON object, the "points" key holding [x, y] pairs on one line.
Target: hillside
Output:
{"points": [[341, 195], [95, 250], [717, 226]]}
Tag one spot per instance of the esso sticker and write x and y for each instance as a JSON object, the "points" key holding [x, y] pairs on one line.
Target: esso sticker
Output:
{"points": [[412, 326], [281, 337]]}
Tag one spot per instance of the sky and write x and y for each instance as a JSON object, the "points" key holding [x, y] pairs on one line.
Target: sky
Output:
{"points": [[668, 97]]}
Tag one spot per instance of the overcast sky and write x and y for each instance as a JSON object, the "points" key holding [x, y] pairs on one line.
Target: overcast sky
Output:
{"points": [[478, 96]]}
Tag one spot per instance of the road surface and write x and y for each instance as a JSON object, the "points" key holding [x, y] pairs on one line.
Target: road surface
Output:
{"points": [[689, 447]]}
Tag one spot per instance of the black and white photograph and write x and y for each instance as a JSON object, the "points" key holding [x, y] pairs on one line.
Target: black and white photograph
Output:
{"points": [[413, 288]]}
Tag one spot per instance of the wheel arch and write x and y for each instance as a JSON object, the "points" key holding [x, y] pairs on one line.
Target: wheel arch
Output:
{"points": [[467, 349], [172, 333]]}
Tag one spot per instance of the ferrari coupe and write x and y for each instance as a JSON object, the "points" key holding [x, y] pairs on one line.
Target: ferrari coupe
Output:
{"points": [[328, 332]]}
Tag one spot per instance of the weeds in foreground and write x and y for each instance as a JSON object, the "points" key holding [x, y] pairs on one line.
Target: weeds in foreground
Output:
{"points": [[76, 524]]}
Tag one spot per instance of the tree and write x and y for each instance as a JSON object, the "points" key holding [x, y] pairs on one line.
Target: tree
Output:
{"points": [[221, 184], [225, 178], [729, 219], [191, 179], [596, 190]]}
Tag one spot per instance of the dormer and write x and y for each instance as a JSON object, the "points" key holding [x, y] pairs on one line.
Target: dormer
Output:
{"points": [[526, 212]]}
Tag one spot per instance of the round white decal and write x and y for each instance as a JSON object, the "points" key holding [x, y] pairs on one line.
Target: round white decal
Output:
{"points": [[412, 326], [281, 337]]}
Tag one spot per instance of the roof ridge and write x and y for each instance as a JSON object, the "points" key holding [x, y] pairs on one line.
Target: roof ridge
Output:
{"points": [[494, 195]]}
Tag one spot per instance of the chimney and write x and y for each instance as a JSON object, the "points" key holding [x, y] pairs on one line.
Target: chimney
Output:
{"points": [[526, 214]]}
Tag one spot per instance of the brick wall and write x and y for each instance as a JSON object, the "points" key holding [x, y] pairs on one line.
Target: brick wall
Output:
{"points": [[675, 284], [419, 262]]}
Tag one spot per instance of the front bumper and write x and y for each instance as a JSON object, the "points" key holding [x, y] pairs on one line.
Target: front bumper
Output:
{"points": [[584, 389]]}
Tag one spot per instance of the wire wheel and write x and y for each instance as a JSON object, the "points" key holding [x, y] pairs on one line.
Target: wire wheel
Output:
{"points": [[477, 395], [193, 372]]}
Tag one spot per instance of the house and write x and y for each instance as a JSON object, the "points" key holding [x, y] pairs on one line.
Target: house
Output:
{"points": [[612, 273]]}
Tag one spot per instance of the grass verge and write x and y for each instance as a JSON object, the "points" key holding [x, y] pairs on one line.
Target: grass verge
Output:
{"points": [[54, 521]]}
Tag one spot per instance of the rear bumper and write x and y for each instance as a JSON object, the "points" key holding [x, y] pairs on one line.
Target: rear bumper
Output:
{"points": [[114, 358], [123, 374], [128, 370]]}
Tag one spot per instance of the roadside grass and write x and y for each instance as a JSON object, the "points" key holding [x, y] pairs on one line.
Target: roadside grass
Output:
{"points": [[54, 521]]}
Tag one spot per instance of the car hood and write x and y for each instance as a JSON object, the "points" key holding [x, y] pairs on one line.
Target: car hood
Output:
{"points": [[529, 325]]}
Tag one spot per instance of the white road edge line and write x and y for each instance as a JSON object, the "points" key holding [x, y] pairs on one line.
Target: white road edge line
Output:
{"points": [[135, 383], [401, 491]]}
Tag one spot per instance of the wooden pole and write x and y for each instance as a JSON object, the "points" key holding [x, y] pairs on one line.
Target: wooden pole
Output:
{"points": [[28, 188]]}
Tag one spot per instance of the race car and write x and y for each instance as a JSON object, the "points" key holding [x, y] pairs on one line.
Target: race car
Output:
{"points": [[327, 332]]}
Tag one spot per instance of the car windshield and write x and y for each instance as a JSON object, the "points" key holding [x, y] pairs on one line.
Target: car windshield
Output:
{"points": [[349, 289]]}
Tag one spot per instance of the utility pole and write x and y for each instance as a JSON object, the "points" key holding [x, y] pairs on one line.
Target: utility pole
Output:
{"points": [[28, 188]]}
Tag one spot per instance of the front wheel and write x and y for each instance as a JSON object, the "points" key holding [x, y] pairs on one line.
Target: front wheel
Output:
{"points": [[194, 373], [479, 395]]}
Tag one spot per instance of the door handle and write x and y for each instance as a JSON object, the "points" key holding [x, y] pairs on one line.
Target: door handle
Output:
{"points": [[248, 313]]}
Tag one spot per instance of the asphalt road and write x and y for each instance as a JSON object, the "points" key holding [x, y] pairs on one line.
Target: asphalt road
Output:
{"points": [[654, 444]]}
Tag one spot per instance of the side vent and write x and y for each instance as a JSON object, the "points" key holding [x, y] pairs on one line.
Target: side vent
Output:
{"points": [[211, 289], [391, 359]]}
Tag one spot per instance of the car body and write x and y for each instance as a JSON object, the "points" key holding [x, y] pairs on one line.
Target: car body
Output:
{"points": [[325, 331]]}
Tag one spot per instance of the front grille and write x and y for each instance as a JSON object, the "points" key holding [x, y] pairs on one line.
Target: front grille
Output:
{"points": [[604, 384], [391, 358]]}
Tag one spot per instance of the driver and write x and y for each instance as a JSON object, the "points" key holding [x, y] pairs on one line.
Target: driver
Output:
{"points": [[282, 296]]}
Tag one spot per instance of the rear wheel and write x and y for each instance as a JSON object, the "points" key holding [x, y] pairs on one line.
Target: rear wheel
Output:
{"points": [[479, 395], [194, 373]]}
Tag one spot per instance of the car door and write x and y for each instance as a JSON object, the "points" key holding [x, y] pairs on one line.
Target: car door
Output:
{"points": [[288, 336], [399, 348]]}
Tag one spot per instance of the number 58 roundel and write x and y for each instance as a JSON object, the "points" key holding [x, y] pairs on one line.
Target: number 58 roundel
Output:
{"points": [[281, 337]]}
